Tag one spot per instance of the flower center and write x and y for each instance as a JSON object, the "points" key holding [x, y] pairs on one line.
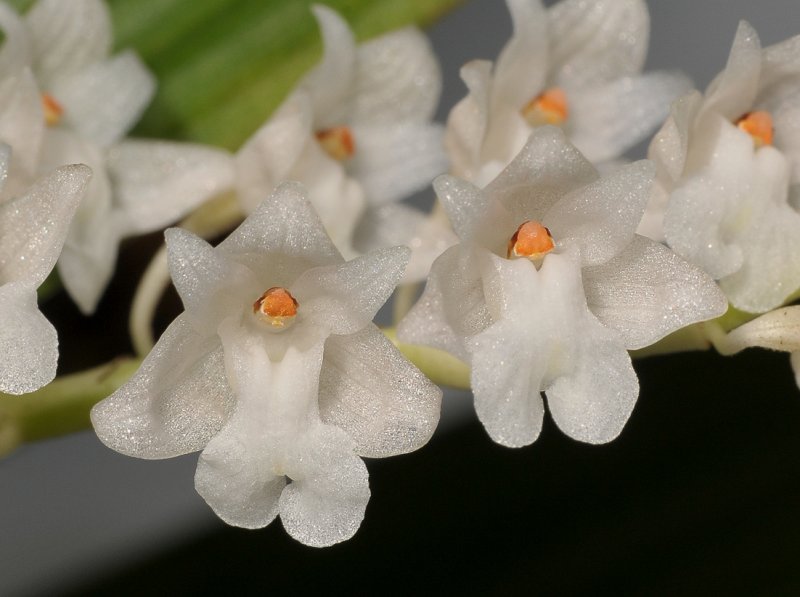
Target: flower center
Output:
{"points": [[759, 126], [531, 241], [338, 142], [52, 110], [549, 107], [277, 307]]}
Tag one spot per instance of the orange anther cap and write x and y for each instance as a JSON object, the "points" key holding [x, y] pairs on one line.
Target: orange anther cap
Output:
{"points": [[338, 142], [531, 240], [549, 107], [277, 306], [759, 126], [52, 110]]}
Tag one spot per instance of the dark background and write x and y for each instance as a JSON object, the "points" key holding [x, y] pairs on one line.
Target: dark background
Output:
{"points": [[699, 495]]}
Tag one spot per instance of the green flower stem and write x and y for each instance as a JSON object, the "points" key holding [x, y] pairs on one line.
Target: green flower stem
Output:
{"points": [[441, 367], [61, 407]]}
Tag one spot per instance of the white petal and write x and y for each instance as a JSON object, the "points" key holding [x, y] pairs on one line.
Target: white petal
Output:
{"points": [[465, 204], [105, 99], [269, 156], [68, 36], [669, 147], [775, 330], [733, 92], [787, 136], [284, 226], [325, 505], [157, 182], [601, 218], [85, 268], [779, 65], [28, 342], [174, 404], [596, 42], [17, 50], [647, 292], [344, 298], [393, 161], [467, 121], [210, 284], [521, 68], [609, 120], [594, 402], [453, 306], [21, 125], [368, 389], [33, 227], [330, 83], [795, 361], [397, 79]]}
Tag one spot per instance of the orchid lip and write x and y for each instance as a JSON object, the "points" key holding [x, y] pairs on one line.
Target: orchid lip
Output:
{"points": [[276, 307]]}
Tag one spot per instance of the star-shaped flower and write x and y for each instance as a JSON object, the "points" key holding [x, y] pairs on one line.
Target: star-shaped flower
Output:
{"points": [[728, 163], [357, 132], [65, 99], [576, 65], [275, 372], [33, 227], [548, 289]]}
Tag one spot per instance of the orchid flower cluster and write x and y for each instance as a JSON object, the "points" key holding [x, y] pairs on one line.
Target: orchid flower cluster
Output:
{"points": [[556, 257]]}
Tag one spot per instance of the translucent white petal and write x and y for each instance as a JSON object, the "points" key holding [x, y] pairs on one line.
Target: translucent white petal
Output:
{"points": [[669, 147], [592, 43], [21, 125], [546, 169], [17, 50], [272, 152], [28, 342], [733, 92], [601, 218], [775, 330], [325, 503], [787, 136], [464, 203], [282, 237], [647, 292], [67, 36], [467, 121], [779, 65], [157, 182], [174, 404], [453, 306], [33, 226], [368, 389], [521, 68], [330, 83], [397, 79], [344, 298], [392, 161], [86, 267], [105, 99], [608, 121]]}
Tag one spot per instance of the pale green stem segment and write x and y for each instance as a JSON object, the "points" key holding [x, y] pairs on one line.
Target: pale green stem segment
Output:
{"points": [[61, 407], [441, 367]]}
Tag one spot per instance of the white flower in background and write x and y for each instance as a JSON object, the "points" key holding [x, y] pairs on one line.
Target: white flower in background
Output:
{"points": [[576, 65], [275, 371], [65, 99], [33, 227], [358, 133], [726, 161], [548, 289]]}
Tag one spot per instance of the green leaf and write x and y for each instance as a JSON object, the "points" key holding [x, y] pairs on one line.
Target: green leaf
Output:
{"points": [[224, 65]]}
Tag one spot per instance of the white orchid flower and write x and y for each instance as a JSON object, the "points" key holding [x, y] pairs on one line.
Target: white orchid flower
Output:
{"points": [[275, 371], [548, 289], [33, 227], [576, 65], [358, 133], [727, 161], [66, 99]]}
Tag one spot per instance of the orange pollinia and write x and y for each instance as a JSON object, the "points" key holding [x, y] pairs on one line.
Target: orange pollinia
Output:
{"points": [[759, 126], [277, 306], [549, 107], [531, 241], [338, 142], [52, 110]]}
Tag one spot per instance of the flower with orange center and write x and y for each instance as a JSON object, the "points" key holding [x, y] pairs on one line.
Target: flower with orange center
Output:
{"points": [[759, 126], [531, 240], [549, 107], [277, 307], [338, 142]]}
